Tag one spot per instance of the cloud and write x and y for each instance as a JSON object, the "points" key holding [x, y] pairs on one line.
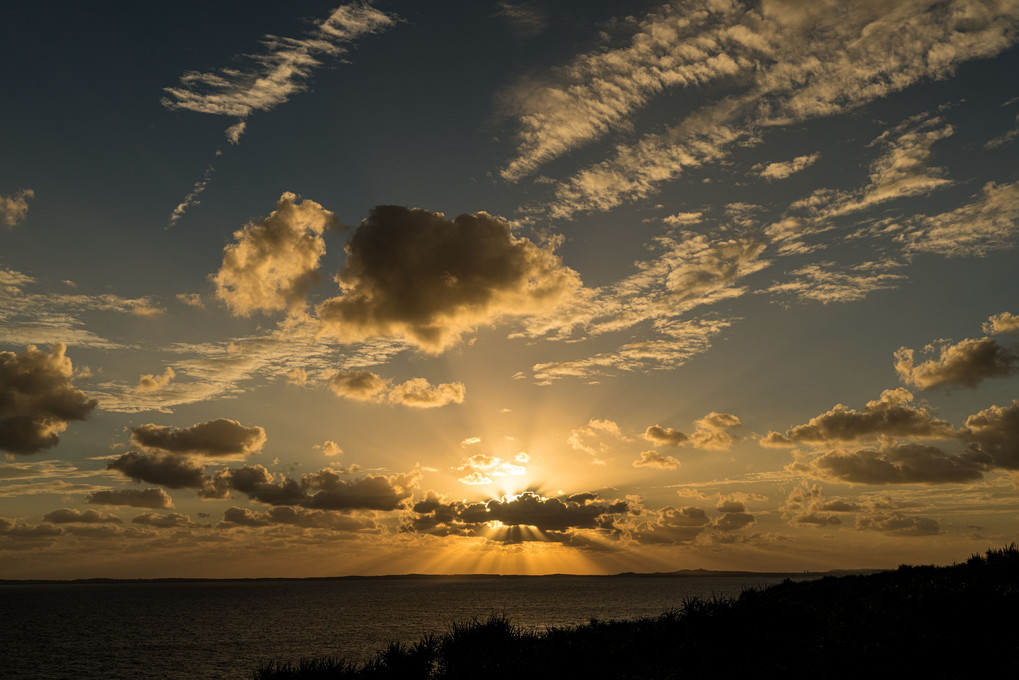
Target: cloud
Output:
{"points": [[892, 415], [277, 73], [330, 448], [653, 459], [791, 65], [297, 517], [138, 498], [898, 524], [166, 469], [673, 526], [987, 223], [965, 363], [827, 282], [38, 399], [274, 262], [775, 440], [808, 507], [993, 436], [14, 208], [322, 490], [774, 171], [414, 274], [662, 436], [416, 392], [220, 437], [525, 19], [711, 431], [480, 468], [71, 516], [191, 200], [898, 464], [683, 341], [170, 520], [594, 437], [549, 516], [1002, 323], [683, 219], [152, 383]]}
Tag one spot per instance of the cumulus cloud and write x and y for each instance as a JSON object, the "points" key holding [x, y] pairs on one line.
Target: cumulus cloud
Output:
{"points": [[806, 506], [273, 263], [72, 516], [280, 71], [1005, 322], [712, 431], [416, 392], [775, 440], [653, 459], [480, 468], [596, 436], [892, 415], [14, 208], [964, 363], [330, 448], [38, 399], [220, 437], [552, 518], [414, 274], [664, 436], [781, 170], [138, 498], [673, 526], [153, 383], [166, 469], [993, 436], [898, 464], [170, 520]]}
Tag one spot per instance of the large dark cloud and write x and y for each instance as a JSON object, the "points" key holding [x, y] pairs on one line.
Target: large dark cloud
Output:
{"points": [[892, 415], [165, 469], [898, 464], [547, 515], [38, 399], [415, 274], [138, 498], [170, 520], [994, 436], [965, 363], [322, 490], [220, 437]]}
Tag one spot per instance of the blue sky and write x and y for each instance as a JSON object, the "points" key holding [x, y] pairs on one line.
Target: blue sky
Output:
{"points": [[311, 289]]}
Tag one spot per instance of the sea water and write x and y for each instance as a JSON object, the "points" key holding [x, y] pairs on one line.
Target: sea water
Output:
{"points": [[223, 630]]}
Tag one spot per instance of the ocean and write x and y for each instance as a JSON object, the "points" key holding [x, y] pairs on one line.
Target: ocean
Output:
{"points": [[223, 630]]}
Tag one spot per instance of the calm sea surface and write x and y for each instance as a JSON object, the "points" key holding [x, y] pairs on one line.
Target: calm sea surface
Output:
{"points": [[224, 630]]}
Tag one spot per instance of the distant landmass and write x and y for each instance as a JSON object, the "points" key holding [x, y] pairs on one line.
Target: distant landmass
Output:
{"points": [[681, 573]]}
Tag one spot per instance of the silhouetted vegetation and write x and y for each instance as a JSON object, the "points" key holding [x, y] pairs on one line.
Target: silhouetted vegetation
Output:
{"points": [[916, 621]]}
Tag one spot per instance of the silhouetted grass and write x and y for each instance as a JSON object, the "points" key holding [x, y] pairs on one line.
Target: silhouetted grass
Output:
{"points": [[916, 621]]}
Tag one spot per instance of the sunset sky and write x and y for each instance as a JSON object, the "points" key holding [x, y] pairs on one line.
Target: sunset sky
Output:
{"points": [[307, 289]]}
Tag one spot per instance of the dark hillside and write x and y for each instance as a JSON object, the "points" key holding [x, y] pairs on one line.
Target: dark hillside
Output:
{"points": [[916, 621]]}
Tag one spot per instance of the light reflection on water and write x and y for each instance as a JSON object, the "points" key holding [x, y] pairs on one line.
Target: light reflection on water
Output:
{"points": [[223, 630]]}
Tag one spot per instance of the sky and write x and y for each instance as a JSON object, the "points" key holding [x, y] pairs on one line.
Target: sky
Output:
{"points": [[312, 289]]}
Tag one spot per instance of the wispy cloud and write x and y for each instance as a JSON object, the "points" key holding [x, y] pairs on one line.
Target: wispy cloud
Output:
{"points": [[276, 74], [793, 65]]}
